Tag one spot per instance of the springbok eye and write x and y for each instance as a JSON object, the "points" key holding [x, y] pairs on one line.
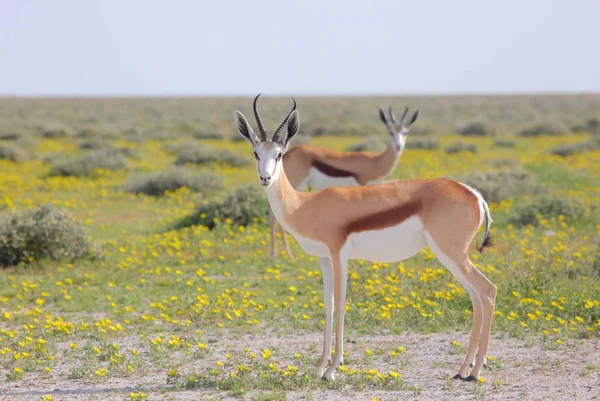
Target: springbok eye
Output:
{"points": [[279, 156], [256, 155]]}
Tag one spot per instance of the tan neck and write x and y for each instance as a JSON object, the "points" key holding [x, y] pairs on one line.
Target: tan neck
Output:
{"points": [[282, 193], [386, 162]]}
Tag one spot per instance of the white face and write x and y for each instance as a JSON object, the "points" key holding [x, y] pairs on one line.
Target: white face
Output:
{"points": [[399, 138], [268, 162]]}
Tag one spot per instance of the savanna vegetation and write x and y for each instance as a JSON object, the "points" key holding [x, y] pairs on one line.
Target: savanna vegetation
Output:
{"points": [[133, 242]]}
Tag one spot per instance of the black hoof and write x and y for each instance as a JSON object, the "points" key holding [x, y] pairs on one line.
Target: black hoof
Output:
{"points": [[485, 365], [470, 379], [324, 379], [457, 376], [341, 363]]}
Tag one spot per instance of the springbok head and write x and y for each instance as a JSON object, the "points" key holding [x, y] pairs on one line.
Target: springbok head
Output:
{"points": [[268, 153], [398, 131]]}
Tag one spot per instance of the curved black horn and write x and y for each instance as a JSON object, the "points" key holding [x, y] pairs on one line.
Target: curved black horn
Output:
{"points": [[392, 116], [404, 115], [279, 130], [261, 128]]}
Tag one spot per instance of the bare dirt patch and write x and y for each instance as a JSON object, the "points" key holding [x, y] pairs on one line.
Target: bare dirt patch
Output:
{"points": [[522, 370]]}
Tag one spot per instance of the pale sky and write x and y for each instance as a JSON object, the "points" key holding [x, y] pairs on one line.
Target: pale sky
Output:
{"points": [[320, 47]]}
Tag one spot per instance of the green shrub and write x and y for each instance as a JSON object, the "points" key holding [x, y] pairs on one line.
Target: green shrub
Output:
{"points": [[13, 153], [373, 144], [458, 147], [547, 206], [9, 135], [155, 184], [45, 232], [477, 128], [544, 129], [85, 165], [427, 144], [201, 155], [242, 207], [94, 143], [501, 184], [505, 143], [185, 145], [571, 149], [208, 135]]}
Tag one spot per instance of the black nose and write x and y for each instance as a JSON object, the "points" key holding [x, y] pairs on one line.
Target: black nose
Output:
{"points": [[265, 178]]}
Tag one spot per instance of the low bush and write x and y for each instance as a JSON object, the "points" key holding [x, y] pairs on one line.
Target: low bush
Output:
{"points": [[501, 184], [544, 129], [45, 232], [505, 143], [571, 149], [199, 155], [477, 128], [241, 207], [85, 165], [373, 144], [10, 135], [427, 144], [208, 135], [155, 184], [547, 206], [13, 153], [458, 147]]}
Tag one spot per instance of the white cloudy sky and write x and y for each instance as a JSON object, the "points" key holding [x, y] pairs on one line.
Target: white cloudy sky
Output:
{"points": [[223, 47]]}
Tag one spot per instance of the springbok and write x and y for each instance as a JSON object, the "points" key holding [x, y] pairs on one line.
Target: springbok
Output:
{"points": [[319, 168], [385, 222]]}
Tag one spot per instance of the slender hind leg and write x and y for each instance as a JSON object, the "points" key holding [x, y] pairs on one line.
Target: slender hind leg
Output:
{"points": [[339, 263], [473, 281], [487, 291], [285, 243], [327, 273]]}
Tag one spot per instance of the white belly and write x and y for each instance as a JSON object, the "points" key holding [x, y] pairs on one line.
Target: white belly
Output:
{"points": [[390, 244], [317, 180]]}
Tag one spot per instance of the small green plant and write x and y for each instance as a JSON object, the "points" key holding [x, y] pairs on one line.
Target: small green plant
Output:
{"points": [[85, 165], [46, 232], [200, 155], [155, 184], [477, 128], [457, 147], [241, 207]]}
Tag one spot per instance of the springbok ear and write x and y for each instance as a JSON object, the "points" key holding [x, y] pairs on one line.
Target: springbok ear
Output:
{"points": [[244, 128], [382, 116], [292, 128], [414, 118]]}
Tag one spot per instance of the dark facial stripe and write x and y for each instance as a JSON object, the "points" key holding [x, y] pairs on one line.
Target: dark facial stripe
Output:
{"points": [[330, 170], [385, 218]]}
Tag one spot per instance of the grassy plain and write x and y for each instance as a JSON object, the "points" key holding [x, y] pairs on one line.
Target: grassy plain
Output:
{"points": [[161, 310]]}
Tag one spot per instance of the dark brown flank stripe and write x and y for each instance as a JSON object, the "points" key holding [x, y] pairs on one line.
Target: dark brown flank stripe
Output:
{"points": [[386, 218], [330, 170]]}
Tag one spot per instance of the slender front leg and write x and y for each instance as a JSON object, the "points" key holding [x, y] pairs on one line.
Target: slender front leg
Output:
{"points": [[273, 227], [340, 278], [285, 243], [327, 273]]}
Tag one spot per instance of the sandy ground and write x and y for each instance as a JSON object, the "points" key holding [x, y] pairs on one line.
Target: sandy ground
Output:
{"points": [[522, 371]]}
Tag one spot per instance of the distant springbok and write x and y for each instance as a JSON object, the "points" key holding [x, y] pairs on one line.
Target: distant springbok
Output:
{"points": [[385, 222], [318, 168]]}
